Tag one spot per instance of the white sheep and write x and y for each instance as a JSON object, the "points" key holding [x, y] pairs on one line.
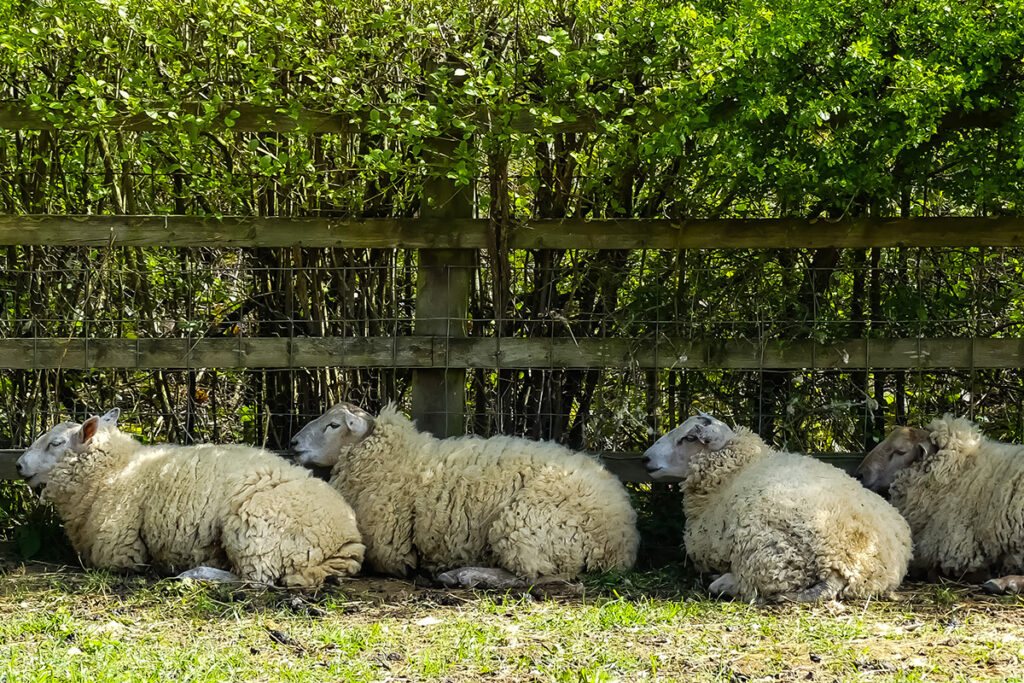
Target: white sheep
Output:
{"points": [[532, 508], [781, 526], [125, 505], [962, 494]]}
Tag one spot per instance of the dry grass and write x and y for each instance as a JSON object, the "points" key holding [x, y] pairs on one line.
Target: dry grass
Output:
{"points": [[66, 624]]}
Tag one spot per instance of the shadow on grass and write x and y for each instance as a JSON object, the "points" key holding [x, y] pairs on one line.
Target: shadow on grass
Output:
{"points": [[30, 530]]}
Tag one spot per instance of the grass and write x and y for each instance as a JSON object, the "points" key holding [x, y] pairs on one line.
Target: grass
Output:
{"points": [[65, 624]]}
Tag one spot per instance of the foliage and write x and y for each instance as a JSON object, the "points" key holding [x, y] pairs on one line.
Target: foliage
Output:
{"points": [[707, 108], [585, 109], [33, 530]]}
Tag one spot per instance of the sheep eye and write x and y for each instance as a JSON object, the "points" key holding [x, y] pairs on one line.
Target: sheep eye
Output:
{"points": [[690, 437], [898, 452], [56, 442], [333, 425]]}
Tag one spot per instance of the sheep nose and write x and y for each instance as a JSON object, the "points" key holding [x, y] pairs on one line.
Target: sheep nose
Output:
{"points": [[294, 443], [20, 468], [646, 460]]}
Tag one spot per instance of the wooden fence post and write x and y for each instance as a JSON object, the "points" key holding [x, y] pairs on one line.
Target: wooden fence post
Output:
{"points": [[442, 302]]}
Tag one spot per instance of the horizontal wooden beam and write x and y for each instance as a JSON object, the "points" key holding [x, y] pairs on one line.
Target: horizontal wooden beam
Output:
{"points": [[387, 233], [7, 460], [245, 117], [490, 352], [626, 466], [253, 118], [859, 233], [242, 117], [230, 232]]}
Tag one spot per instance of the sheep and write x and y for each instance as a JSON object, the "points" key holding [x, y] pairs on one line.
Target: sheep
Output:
{"points": [[961, 494], [125, 505], [781, 526], [535, 509]]}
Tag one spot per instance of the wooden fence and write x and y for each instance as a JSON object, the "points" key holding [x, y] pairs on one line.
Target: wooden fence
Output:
{"points": [[447, 235]]}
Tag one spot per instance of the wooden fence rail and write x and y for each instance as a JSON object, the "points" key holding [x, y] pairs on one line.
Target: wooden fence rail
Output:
{"points": [[468, 233], [441, 352], [254, 118], [626, 466], [439, 357], [245, 117]]}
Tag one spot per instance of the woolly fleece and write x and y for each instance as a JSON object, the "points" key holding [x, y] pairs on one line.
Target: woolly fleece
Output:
{"points": [[125, 504], [781, 523], [964, 502], [533, 508]]}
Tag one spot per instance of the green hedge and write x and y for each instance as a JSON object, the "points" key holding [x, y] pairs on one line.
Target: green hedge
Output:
{"points": [[750, 108]]}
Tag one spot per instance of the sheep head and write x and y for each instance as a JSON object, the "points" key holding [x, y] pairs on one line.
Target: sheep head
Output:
{"points": [[903, 447], [322, 442], [42, 456], [669, 457]]}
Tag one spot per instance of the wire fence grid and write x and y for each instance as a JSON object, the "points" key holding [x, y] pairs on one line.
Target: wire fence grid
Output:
{"points": [[710, 295]]}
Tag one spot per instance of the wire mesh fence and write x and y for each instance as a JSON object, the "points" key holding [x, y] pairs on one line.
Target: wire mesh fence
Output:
{"points": [[569, 297], [770, 337]]}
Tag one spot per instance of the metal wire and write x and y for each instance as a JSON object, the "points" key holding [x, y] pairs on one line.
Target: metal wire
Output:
{"points": [[197, 294]]}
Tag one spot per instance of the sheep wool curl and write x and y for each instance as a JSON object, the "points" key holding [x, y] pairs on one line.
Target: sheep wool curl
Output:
{"points": [[532, 508], [125, 504], [788, 526], [963, 500]]}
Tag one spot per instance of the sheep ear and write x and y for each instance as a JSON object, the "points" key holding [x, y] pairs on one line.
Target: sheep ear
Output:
{"points": [[355, 424], [702, 433], [89, 428], [923, 450], [713, 435], [110, 417]]}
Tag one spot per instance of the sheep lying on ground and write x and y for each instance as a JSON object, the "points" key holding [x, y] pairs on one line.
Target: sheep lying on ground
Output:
{"points": [[962, 494], [781, 526], [532, 508], [125, 504]]}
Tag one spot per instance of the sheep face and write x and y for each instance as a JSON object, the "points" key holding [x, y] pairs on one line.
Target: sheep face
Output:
{"points": [[42, 456], [669, 457], [903, 447], [323, 441], [35, 464]]}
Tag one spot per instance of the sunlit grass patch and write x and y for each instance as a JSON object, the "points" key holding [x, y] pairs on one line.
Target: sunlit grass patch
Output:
{"points": [[74, 625]]}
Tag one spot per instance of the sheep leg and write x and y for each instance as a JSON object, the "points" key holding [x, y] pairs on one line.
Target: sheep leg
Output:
{"points": [[118, 545], [536, 535], [272, 536], [480, 577], [773, 562], [826, 589], [346, 562], [724, 585], [210, 574], [1013, 583]]}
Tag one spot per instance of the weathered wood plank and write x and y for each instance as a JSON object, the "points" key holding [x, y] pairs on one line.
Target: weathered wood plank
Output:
{"points": [[764, 233], [229, 232], [443, 280], [440, 352], [245, 117], [7, 460], [249, 118], [465, 233], [626, 466]]}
